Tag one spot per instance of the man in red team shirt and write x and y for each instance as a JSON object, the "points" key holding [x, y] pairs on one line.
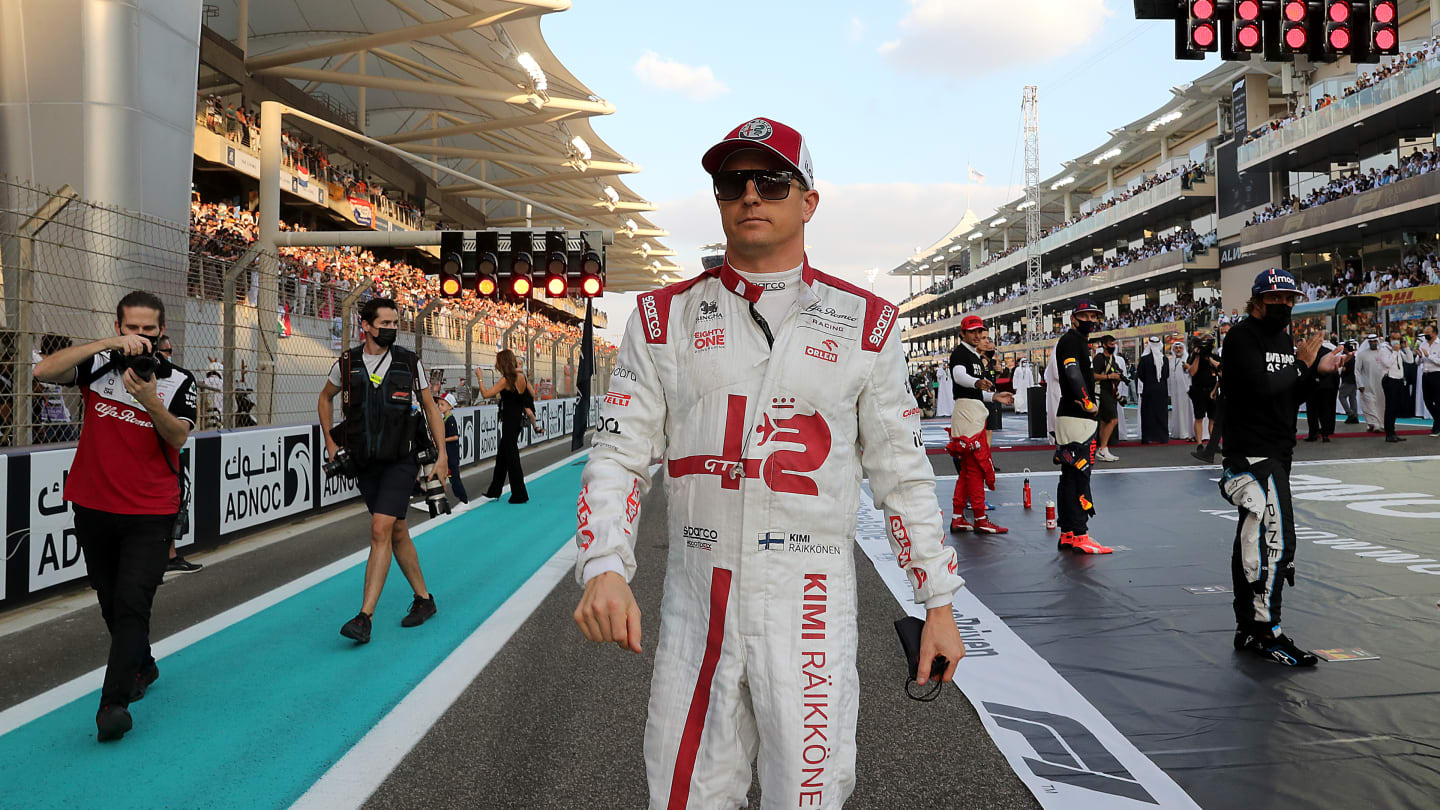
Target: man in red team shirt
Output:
{"points": [[124, 486]]}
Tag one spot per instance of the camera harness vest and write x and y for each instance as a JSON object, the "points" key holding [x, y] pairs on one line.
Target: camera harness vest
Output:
{"points": [[378, 413]]}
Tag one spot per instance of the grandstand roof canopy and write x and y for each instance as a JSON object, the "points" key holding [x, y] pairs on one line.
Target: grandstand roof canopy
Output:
{"points": [[1190, 110], [452, 82]]}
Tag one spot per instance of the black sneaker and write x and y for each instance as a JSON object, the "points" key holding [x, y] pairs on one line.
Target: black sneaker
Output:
{"points": [[146, 676], [358, 628], [181, 565], [1280, 649], [420, 610], [111, 723], [1208, 458], [1352, 420]]}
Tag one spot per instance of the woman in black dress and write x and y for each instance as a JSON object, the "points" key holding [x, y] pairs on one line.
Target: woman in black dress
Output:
{"points": [[517, 402]]}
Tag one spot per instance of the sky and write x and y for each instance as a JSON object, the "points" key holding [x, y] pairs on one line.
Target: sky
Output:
{"points": [[894, 97]]}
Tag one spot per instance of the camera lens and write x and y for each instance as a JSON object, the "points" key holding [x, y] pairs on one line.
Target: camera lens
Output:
{"points": [[143, 365]]}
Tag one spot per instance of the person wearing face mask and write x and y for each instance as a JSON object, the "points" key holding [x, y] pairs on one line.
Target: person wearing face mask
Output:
{"points": [[1267, 376], [379, 380], [1109, 375], [1429, 351], [1076, 424], [1390, 361]]}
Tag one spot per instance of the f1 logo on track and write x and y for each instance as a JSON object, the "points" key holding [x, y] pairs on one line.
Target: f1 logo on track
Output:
{"points": [[1068, 752]]}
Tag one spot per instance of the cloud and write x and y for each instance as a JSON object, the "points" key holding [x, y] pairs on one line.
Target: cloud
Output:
{"points": [[856, 227], [699, 83], [857, 29], [970, 37]]}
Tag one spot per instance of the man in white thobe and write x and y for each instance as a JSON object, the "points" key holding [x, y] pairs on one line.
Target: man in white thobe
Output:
{"points": [[1368, 374]]}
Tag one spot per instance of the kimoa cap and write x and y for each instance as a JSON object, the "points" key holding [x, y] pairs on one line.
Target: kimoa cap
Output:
{"points": [[766, 134]]}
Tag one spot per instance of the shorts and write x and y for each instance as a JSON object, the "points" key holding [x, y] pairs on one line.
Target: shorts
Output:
{"points": [[1109, 408], [1202, 404], [387, 487]]}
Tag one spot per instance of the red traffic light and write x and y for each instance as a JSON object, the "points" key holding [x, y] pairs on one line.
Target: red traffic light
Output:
{"points": [[555, 286], [1385, 39], [1202, 9], [1340, 38], [1339, 11], [1203, 35], [450, 286], [1248, 10], [485, 286], [1384, 12], [1295, 37], [1248, 36], [520, 286], [590, 286], [1294, 10]]}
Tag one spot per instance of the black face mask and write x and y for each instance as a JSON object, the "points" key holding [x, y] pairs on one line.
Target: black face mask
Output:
{"points": [[1277, 317], [1109, 349], [385, 338], [1085, 327]]}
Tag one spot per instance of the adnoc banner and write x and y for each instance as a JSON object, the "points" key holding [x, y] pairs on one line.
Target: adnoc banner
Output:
{"points": [[264, 475]]}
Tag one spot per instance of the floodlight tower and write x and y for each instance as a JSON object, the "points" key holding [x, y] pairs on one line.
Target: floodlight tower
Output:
{"points": [[1030, 106]]}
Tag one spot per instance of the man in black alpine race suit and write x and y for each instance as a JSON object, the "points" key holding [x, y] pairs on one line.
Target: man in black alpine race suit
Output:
{"points": [[1267, 377], [1076, 424]]}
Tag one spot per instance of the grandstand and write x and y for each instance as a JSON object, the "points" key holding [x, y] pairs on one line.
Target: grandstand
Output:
{"points": [[476, 90], [1328, 170]]}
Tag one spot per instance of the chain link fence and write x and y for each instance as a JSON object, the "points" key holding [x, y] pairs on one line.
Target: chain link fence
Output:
{"points": [[259, 335]]}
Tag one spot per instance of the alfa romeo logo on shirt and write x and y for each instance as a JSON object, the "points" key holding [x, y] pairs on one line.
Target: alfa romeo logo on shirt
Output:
{"points": [[757, 130]]}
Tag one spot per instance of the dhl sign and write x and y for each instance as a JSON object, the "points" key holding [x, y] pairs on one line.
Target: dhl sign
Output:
{"points": [[1410, 296]]}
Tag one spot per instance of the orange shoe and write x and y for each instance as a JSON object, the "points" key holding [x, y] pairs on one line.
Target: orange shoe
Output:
{"points": [[984, 526], [1082, 544], [960, 524], [1067, 541]]}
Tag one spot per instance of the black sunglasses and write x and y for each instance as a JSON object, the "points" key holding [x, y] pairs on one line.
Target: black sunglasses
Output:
{"points": [[770, 184]]}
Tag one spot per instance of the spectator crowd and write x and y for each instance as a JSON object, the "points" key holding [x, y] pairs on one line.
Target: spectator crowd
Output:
{"points": [[1356, 182]]}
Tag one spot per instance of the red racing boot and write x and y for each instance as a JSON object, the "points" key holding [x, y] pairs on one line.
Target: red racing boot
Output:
{"points": [[960, 524], [983, 525], [1082, 544], [1067, 541]]}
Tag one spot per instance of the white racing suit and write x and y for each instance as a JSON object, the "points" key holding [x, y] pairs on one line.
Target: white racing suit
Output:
{"points": [[764, 448]]}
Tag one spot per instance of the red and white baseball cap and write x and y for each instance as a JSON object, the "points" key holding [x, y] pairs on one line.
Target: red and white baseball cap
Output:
{"points": [[764, 133], [971, 322]]}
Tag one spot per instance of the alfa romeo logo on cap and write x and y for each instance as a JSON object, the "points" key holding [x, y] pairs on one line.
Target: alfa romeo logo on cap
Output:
{"points": [[757, 130]]}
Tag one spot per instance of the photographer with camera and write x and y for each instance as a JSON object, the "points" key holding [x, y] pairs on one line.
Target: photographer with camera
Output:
{"points": [[124, 483], [383, 443], [1204, 371]]}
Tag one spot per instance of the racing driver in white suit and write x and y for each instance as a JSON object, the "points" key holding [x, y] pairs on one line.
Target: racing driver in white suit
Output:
{"points": [[767, 387]]}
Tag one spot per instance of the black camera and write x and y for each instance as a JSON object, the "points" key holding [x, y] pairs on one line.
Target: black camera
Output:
{"points": [[144, 364], [432, 488], [342, 466]]}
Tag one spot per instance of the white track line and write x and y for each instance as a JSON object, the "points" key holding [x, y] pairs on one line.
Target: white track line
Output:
{"points": [[1197, 466], [52, 699]]}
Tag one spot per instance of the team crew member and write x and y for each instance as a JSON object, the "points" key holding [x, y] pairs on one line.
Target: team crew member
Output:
{"points": [[759, 382], [1429, 351], [1348, 387], [379, 381], [969, 444], [1108, 375], [1075, 429], [517, 403], [1320, 407], [1266, 378], [124, 486]]}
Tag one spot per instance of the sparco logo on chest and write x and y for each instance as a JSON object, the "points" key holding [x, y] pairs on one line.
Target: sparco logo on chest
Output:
{"points": [[882, 325], [651, 315]]}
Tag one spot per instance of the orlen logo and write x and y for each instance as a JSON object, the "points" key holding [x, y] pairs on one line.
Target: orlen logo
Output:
{"points": [[653, 327], [618, 400], [902, 540], [829, 357], [709, 339], [882, 326]]}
